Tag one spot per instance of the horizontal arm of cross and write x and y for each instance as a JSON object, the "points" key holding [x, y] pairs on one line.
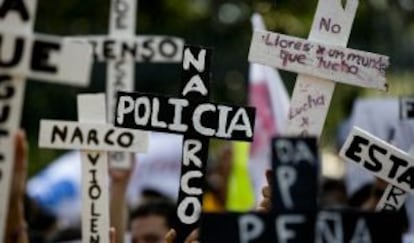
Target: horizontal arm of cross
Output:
{"points": [[90, 136], [45, 57], [182, 116], [145, 48], [331, 62]]}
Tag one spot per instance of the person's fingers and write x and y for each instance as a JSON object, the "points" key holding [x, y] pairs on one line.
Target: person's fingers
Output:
{"points": [[266, 204], [20, 151], [170, 236], [193, 237], [269, 177], [267, 192], [112, 235]]}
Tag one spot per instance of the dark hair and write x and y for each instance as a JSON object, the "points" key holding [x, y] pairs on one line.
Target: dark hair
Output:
{"points": [[161, 208]]}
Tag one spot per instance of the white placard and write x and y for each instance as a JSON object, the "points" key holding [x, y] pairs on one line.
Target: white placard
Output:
{"points": [[320, 60], [90, 136], [153, 49], [95, 182], [380, 158], [45, 57]]}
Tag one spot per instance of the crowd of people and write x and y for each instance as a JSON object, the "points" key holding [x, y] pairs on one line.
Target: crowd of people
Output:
{"points": [[151, 220]]}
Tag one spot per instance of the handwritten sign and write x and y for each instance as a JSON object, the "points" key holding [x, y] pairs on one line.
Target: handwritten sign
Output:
{"points": [[121, 49], [36, 56], [295, 227], [320, 60], [295, 167], [317, 60], [94, 138], [383, 160], [196, 118]]}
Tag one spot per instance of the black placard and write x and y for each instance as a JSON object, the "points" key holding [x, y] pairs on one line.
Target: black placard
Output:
{"points": [[295, 166], [196, 118], [406, 108], [295, 227]]}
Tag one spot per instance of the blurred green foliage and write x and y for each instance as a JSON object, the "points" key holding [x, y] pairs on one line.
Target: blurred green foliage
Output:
{"points": [[381, 26]]}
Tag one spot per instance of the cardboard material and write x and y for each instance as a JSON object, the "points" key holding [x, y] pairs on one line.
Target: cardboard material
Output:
{"points": [[312, 95], [380, 158], [320, 60]]}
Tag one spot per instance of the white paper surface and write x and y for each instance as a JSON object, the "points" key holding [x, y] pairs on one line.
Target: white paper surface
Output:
{"points": [[91, 109], [120, 73], [12, 21]]}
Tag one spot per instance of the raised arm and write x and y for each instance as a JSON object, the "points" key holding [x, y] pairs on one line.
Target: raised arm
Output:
{"points": [[16, 224]]}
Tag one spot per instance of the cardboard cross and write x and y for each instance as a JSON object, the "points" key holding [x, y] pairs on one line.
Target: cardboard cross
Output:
{"points": [[393, 197], [195, 117], [121, 49], [318, 60], [94, 138], [22, 55], [383, 160]]}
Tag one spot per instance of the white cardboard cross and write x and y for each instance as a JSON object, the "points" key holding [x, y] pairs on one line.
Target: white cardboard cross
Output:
{"points": [[121, 49], [318, 60], [22, 55], [393, 197], [385, 161], [94, 138]]}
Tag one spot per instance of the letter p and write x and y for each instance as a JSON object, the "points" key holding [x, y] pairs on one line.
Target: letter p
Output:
{"points": [[125, 106]]}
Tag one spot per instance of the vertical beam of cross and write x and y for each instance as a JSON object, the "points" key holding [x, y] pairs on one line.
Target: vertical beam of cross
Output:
{"points": [[95, 196], [11, 102], [120, 74], [35, 56], [337, 33]]}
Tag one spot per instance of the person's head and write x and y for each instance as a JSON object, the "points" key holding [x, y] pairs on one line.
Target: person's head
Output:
{"points": [[150, 222]]}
